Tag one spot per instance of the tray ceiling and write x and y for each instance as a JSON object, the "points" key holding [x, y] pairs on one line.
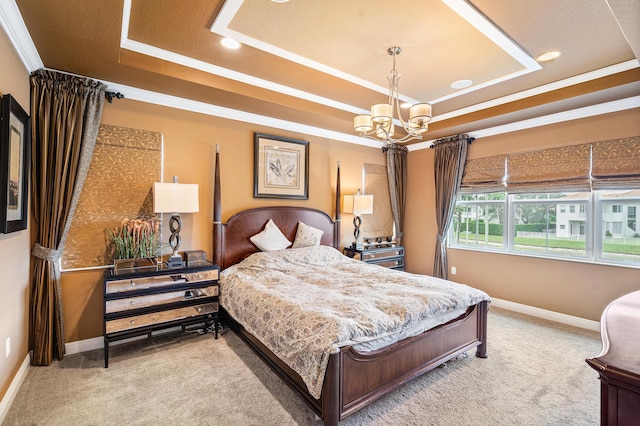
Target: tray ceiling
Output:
{"points": [[317, 64]]}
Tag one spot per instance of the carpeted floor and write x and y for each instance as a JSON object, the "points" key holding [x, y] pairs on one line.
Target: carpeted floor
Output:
{"points": [[535, 375]]}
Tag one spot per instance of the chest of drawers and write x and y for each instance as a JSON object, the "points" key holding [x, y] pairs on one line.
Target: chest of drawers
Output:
{"points": [[140, 302], [389, 257]]}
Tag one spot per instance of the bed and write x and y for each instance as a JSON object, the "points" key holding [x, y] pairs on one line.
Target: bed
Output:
{"points": [[353, 378]]}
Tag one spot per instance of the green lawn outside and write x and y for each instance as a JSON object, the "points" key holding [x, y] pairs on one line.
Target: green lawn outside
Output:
{"points": [[608, 247]]}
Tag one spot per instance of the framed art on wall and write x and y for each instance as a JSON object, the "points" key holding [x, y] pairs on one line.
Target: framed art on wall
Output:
{"points": [[15, 141], [280, 168]]}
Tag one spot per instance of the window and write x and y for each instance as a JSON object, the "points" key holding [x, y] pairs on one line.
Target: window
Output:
{"points": [[536, 224], [556, 202], [631, 218], [620, 238], [478, 220]]}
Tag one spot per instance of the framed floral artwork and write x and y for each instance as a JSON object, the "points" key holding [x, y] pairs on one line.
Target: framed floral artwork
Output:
{"points": [[280, 168]]}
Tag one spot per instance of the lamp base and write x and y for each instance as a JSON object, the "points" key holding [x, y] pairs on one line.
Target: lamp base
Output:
{"points": [[175, 261]]}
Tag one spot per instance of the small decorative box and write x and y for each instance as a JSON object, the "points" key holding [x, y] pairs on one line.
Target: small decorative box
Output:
{"points": [[195, 256]]}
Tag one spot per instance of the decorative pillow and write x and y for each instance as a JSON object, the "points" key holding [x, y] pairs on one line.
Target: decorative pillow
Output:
{"points": [[307, 236], [271, 238]]}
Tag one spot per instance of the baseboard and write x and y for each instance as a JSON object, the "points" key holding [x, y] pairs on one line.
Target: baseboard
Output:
{"points": [[83, 345], [94, 343], [545, 314], [8, 397]]}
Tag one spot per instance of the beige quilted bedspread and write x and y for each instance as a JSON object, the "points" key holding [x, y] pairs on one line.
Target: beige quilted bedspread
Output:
{"points": [[306, 303]]}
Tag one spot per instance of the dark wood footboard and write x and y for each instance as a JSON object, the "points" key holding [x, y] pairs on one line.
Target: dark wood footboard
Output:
{"points": [[354, 380], [364, 378]]}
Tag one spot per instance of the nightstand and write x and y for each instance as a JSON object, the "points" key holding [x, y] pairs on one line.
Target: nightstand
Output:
{"points": [[139, 301], [389, 257]]}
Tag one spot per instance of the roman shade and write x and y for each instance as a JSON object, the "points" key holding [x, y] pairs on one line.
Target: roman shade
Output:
{"points": [[484, 174], [550, 170], [616, 163]]}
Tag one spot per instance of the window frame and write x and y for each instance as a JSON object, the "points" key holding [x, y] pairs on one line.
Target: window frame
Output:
{"points": [[502, 203], [594, 211], [512, 203]]}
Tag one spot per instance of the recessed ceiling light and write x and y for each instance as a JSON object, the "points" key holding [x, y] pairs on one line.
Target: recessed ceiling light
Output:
{"points": [[548, 56], [230, 43], [461, 84], [279, 1]]}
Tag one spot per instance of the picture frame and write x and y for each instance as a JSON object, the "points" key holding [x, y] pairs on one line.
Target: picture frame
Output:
{"points": [[280, 167], [15, 144]]}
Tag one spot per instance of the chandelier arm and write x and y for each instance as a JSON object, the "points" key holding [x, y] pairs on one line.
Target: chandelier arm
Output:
{"points": [[408, 137], [382, 130]]}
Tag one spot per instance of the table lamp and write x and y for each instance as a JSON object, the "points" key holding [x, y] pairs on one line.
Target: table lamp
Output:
{"points": [[175, 198], [358, 204]]}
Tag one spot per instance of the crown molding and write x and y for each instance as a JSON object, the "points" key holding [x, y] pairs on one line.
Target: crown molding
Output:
{"points": [[13, 24]]}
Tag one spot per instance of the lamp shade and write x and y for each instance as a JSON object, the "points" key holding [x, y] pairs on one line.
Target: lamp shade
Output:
{"points": [[175, 197], [362, 123], [358, 204], [420, 113], [381, 113]]}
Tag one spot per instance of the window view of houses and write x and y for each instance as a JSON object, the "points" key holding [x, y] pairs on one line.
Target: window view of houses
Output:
{"points": [[598, 225]]}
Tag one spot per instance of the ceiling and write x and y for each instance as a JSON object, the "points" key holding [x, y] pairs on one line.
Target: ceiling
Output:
{"points": [[310, 66]]}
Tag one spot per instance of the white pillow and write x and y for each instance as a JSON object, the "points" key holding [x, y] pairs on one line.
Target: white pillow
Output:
{"points": [[271, 238], [307, 236]]}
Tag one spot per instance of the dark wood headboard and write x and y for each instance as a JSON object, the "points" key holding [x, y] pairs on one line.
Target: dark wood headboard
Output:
{"points": [[231, 242]]}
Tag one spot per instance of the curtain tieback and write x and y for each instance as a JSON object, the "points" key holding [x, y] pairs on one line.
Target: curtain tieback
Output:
{"points": [[45, 253], [442, 238]]}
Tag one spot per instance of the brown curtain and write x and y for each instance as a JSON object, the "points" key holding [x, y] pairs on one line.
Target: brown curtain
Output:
{"points": [[450, 157], [65, 114], [397, 176]]}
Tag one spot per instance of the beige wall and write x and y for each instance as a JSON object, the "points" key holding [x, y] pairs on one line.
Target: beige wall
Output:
{"points": [[14, 247], [189, 149], [573, 288]]}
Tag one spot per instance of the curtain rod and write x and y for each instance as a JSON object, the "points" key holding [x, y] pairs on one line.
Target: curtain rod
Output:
{"points": [[110, 95]]}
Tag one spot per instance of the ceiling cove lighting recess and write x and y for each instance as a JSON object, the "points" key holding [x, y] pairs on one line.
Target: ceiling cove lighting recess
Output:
{"points": [[461, 84], [230, 43], [549, 56]]}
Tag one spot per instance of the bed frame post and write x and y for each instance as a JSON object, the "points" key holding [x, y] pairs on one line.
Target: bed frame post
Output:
{"points": [[338, 211], [217, 213], [331, 392], [483, 313]]}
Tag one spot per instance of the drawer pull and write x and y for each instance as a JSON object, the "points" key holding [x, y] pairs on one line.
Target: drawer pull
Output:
{"points": [[133, 284], [132, 322]]}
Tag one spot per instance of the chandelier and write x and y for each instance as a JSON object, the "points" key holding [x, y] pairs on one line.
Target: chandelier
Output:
{"points": [[379, 125]]}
